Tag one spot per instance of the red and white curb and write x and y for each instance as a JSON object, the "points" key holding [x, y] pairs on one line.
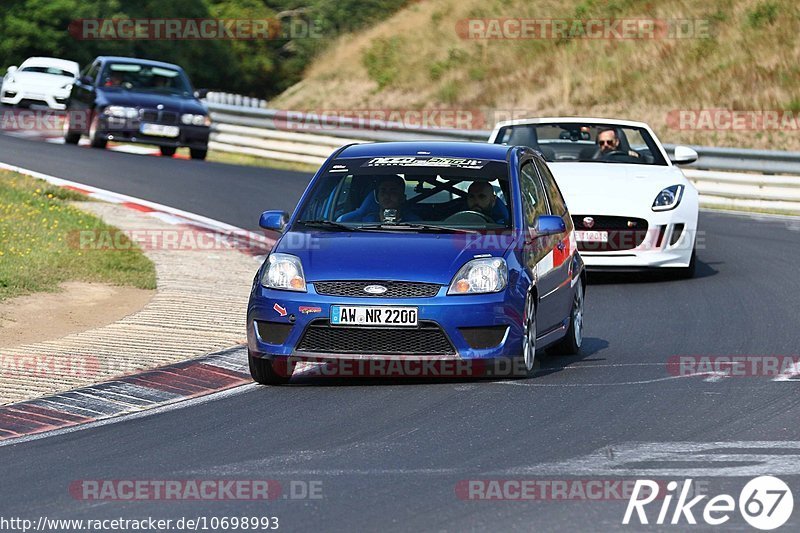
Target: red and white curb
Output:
{"points": [[261, 244], [145, 391], [124, 396]]}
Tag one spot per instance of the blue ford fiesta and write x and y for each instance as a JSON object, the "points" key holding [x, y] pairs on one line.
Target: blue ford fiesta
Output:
{"points": [[444, 251]]}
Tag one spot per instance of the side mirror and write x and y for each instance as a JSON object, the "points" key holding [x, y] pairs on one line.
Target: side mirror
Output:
{"points": [[274, 220], [201, 93], [549, 225], [684, 155], [12, 69], [85, 80]]}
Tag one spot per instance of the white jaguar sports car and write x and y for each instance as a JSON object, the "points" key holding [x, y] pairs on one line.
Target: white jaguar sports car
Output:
{"points": [[631, 206], [39, 81]]}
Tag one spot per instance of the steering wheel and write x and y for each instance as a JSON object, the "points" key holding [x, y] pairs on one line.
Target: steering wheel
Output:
{"points": [[620, 156], [467, 216]]}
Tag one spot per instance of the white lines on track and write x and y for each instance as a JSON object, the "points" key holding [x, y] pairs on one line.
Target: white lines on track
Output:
{"points": [[790, 374], [637, 382], [679, 459]]}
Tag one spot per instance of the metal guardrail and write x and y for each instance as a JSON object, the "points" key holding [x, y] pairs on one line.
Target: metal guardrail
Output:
{"points": [[290, 136]]}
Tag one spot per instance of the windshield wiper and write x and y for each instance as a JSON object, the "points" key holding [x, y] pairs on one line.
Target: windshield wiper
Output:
{"points": [[415, 226], [326, 224]]}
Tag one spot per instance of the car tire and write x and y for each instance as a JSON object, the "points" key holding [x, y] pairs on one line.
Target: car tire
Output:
{"points": [[96, 140], [70, 137], [527, 364], [168, 151], [198, 153], [266, 372], [573, 340]]}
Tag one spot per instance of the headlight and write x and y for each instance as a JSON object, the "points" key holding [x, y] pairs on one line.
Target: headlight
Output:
{"points": [[668, 198], [121, 111], [480, 276], [195, 120], [284, 272]]}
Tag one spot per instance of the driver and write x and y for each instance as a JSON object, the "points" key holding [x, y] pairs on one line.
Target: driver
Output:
{"points": [[482, 198], [608, 142]]}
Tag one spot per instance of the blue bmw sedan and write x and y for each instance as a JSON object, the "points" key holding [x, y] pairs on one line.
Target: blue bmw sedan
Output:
{"points": [[435, 251]]}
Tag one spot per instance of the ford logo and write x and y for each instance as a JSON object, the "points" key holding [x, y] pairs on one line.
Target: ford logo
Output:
{"points": [[375, 289], [588, 222]]}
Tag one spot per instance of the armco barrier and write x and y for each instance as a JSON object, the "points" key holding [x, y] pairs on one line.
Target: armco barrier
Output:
{"points": [[250, 128]]}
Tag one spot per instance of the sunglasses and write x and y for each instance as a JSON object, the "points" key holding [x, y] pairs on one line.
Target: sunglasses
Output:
{"points": [[610, 143]]}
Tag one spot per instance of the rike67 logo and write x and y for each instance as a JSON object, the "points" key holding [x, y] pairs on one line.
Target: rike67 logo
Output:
{"points": [[765, 503]]}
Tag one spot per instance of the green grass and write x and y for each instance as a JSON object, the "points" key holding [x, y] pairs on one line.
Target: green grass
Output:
{"points": [[39, 247], [255, 161]]}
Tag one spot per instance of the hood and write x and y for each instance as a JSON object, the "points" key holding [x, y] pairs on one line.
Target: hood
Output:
{"points": [[407, 256], [175, 103], [588, 186], [39, 79]]}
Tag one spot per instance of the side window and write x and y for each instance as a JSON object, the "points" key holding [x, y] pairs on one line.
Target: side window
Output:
{"points": [[91, 72], [534, 202], [344, 202], [557, 203]]}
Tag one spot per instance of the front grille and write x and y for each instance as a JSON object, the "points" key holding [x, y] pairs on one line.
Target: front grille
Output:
{"points": [[159, 117], [394, 289], [624, 233], [427, 339]]}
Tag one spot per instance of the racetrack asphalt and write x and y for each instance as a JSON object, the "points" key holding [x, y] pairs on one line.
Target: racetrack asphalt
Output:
{"points": [[391, 454]]}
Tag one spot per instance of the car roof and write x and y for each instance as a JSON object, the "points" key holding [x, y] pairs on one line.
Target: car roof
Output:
{"points": [[138, 61], [497, 152], [39, 61], [573, 120]]}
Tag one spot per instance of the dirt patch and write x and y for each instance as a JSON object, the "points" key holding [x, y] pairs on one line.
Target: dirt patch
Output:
{"points": [[78, 307]]}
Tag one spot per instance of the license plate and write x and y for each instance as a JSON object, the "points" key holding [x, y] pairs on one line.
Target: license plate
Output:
{"points": [[591, 236], [347, 315], [159, 130]]}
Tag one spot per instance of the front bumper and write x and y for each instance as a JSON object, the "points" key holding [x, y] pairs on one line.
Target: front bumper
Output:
{"points": [[123, 130], [17, 95], [668, 242], [484, 326]]}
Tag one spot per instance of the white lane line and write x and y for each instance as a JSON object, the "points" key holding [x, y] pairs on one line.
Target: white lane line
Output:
{"points": [[640, 382], [790, 374], [679, 459]]}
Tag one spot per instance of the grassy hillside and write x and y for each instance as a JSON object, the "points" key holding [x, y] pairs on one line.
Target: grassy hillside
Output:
{"points": [[749, 59]]}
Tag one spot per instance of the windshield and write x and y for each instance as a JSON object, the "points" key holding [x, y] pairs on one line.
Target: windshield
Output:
{"points": [[135, 77], [55, 71], [587, 142], [441, 194]]}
